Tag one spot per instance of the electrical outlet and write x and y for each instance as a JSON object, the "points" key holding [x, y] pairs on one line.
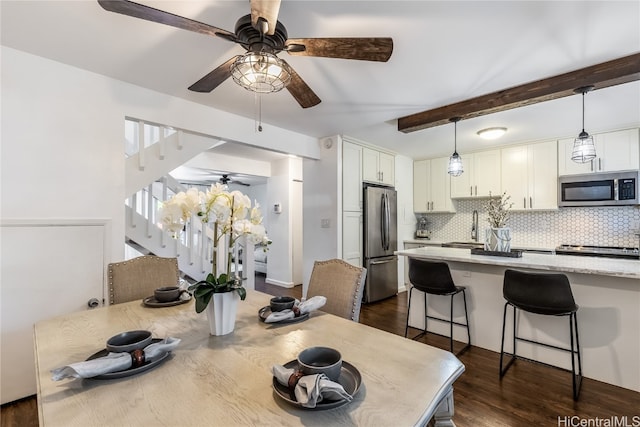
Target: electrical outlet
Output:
{"points": [[325, 223], [635, 225]]}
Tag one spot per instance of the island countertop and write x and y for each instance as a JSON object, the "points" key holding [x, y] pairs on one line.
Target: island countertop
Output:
{"points": [[626, 268]]}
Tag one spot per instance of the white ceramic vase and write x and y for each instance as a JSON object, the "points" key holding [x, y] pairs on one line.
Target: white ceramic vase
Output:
{"points": [[497, 239], [221, 312]]}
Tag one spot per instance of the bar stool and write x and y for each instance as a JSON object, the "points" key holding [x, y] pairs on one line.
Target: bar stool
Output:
{"points": [[546, 294], [434, 278]]}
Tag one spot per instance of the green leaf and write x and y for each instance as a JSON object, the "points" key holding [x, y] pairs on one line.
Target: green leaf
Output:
{"points": [[242, 292], [211, 278], [203, 297]]}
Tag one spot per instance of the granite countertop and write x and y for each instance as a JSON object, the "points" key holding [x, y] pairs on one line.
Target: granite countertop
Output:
{"points": [[627, 268], [441, 242]]}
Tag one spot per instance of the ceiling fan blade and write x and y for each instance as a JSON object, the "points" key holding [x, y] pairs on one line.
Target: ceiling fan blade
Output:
{"points": [[364, 49], [214, 78], [302, 93], [137, 10], [267, 10]]}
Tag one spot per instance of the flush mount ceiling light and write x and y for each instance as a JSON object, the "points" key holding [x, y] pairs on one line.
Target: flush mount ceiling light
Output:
{"points": [[492, 133], [260, 72], [455, 161], [584, 149]]}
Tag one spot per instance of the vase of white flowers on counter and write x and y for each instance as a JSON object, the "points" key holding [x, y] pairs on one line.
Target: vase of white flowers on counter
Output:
{"points": [[231, 217], [498, 236]]}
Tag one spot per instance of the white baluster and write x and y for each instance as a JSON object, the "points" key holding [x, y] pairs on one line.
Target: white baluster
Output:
{"points": [[140, 138]]}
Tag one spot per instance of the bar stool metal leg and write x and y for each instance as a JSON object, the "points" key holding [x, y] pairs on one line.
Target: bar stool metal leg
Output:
{"points": [[576, 380]]}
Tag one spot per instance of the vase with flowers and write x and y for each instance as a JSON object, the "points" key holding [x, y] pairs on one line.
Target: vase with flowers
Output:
{"points": [[498, 236], [231, 216]]}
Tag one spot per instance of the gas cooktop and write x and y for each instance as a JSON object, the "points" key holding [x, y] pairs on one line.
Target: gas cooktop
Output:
{"points": [[599, 251]]}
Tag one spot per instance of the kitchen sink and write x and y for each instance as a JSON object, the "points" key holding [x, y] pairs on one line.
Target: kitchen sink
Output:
{"points": [[463, 245]]}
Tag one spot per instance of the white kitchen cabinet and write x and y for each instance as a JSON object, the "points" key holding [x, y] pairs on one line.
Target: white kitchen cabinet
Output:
{"points": [[432, 186], [615, 151], [351, 177], [377, 167], [530, 176], [481, 176], [352, 238]]}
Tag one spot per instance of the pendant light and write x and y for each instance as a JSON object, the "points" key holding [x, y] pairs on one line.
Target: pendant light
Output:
{"points": [[455, 161], [584, 149]]}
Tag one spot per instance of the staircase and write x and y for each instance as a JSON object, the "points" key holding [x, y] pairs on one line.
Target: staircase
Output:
{"points": [[162, 149]]}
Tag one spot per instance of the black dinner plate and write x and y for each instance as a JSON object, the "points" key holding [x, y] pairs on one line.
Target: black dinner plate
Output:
{"points": [[350, 380], [153, 302], [264, 312], [127, 372]]}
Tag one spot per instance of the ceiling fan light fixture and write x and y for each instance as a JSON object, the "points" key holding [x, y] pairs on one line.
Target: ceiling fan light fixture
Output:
{"points": [[584, 148], [455, 167], [492, 133], [260, 72]]}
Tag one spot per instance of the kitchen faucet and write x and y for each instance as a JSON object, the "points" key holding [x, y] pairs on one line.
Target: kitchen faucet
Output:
{"points": [[474, 226]]}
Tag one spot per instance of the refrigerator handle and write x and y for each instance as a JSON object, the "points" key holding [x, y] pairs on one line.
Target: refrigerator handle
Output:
{"points": [[382, 220], [387, 220]]}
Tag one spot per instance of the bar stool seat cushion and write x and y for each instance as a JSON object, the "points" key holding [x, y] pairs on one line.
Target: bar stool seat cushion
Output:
{"points": [[541, 293]]}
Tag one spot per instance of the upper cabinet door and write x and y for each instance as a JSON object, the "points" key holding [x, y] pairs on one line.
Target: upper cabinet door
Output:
{"points": [[543, 175], [386, 166], [351, 177], [481, 176], [486, 173], [378, 167], [620, 150], [421, 186], [370, 165], [615, 151], [515, 177], [440, 183]]}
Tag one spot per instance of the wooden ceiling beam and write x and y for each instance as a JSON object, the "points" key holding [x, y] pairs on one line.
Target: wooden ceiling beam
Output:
{"points": [[610, 73]]}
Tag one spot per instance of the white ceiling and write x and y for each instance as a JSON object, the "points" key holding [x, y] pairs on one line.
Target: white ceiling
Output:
{"points": [[444, 52]]}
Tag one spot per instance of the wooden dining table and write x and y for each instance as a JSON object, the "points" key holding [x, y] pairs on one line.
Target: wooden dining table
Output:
{"points": [[227, 380]]}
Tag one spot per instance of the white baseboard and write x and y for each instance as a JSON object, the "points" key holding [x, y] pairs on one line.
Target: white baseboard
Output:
{"points": [[279, 283]]}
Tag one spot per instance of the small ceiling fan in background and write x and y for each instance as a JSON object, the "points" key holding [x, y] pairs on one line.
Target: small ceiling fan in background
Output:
{"points": [[224, 179], [263, 36]]}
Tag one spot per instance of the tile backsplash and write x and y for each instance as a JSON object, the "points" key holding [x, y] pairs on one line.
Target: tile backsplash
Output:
{"points": [[599, 226]]}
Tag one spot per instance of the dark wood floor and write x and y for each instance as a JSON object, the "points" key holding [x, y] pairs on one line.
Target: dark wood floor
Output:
{"points": [[530, 394]]}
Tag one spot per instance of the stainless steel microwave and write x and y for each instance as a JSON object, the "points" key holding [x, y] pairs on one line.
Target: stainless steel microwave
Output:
{"points": [[599, 189]]}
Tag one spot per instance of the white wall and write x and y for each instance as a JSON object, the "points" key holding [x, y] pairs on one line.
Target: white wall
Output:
{"points": [[322, 194]]}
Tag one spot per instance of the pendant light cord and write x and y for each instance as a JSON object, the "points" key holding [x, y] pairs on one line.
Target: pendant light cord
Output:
{"points": [[582, 111], [455, 136]]}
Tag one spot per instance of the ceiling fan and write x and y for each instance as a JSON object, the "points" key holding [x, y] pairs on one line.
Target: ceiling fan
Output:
{"points": [[263, 36], [224, 179]]}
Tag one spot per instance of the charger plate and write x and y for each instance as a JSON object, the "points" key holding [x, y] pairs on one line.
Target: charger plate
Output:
{"points": [[127, 372], [153, 302], [350, 379]]}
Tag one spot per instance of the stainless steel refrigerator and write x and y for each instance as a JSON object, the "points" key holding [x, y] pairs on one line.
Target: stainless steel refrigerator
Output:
{"points": [[380, 241]]}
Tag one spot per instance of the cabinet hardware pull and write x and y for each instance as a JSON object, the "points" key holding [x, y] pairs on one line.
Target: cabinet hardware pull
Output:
{"points": [[524, 200], [530, 202], [599, 163], [471, 190], [476, 188]]}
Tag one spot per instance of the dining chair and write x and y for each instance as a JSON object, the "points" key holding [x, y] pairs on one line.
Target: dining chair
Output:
{"points": [[137, 278], [547, 294], [342, 284]]}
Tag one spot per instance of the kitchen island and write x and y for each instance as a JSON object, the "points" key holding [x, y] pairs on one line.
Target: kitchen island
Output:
{"points": [[607, 291]]}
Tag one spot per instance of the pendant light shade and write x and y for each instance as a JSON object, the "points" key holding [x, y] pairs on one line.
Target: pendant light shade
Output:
{"points": [[584, 149], [260, 72], [455, 161]]}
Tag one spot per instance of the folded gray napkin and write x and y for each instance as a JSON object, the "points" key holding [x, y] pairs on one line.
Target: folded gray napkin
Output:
{"points": [[113, 362], [311, 389], [313, 303]]}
